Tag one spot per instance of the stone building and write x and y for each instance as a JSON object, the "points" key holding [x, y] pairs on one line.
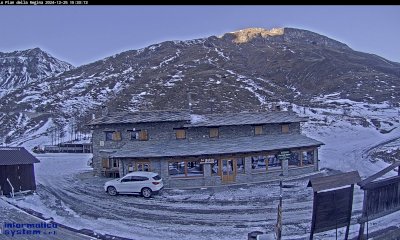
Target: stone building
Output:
{"points": [[189, 150]]}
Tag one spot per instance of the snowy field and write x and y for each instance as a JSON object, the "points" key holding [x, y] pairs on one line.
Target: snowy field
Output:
{"points": [[68, 192]]}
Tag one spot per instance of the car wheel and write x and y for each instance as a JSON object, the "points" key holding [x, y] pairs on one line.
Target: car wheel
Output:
{"points": [[112, 191], [146, 192]]}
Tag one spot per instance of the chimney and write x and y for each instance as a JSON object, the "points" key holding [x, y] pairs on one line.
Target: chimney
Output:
{"points": [[104, 110]]}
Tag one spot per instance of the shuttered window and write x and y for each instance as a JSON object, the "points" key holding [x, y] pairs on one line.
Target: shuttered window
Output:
{"points": [[117, 136], [113, 136], [143, 135], [285, 128], [214, 132], [180, 133], [258, 130], [105, 163]]}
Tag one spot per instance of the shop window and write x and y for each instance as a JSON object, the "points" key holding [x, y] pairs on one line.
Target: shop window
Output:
{"points": [[258, 163], [308, 157], [274, 162], [285, 128], [114, 163], [185, 169], [194, 169], [258, 130], [294, 160], [240, 165], [180, 133], [143, 166], [214, 132]]}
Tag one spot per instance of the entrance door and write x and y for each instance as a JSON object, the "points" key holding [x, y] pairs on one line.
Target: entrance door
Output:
{"points": [[228, 172]]}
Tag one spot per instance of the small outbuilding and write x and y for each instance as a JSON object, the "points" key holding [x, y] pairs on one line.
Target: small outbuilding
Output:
{"points": [[16, 170]]}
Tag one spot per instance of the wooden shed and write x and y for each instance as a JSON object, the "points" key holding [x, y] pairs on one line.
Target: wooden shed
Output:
{"points": [[16, 170]]}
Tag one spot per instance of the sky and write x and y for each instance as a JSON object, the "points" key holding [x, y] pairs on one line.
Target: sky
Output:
{"points": [[84, 34]]}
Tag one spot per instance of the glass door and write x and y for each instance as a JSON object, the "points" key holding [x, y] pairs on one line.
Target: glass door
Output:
{"points": [[228, 172]]}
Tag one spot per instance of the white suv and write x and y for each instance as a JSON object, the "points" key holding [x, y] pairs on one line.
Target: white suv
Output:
{"points": [[144, 183]]}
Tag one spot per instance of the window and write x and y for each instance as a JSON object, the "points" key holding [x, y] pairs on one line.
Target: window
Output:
{"points": [[143, 135], [273, 162], [214, 168], [185, 169], [258, 163], [139, 178], [139, 166], [294, 159], [109, 136], [240, 165], [308, 157], [113, 136], [143, 166], [109, 163], [285, 128], [114, 163], [258, 130], [180, 133], [126, 179], [134, 134], [214, 132], [264, 163]]}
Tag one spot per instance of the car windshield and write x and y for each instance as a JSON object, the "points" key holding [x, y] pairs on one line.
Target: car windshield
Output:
{"points": [[156, 177]]}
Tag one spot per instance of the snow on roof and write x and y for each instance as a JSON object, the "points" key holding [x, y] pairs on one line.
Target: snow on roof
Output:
{"points": [[15, 156]]}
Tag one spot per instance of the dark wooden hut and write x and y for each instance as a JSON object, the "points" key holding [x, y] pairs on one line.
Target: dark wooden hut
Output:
{"points": [[16, 170]]}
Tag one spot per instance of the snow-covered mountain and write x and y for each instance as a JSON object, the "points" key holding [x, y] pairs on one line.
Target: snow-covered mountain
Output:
{"points": [[20, 68], [239, 71]]}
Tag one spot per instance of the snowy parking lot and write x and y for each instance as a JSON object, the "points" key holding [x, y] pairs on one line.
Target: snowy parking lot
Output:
{"points": [[69, 193]]}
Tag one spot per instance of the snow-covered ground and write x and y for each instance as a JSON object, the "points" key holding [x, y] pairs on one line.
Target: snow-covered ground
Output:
{"points": [[351, 131], [69, 193]]}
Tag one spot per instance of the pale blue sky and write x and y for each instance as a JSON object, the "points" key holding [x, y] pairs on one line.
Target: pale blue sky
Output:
{"points": [[83, 34]]}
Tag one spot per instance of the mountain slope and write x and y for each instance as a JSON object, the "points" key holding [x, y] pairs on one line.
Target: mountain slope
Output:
{"points": [[239, 71], [20, 68]]}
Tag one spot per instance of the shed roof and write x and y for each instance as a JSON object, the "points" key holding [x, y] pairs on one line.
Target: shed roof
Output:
{"points": [[244, 118], [176, 148], [334, 181], [142, 117], [15, 156]]}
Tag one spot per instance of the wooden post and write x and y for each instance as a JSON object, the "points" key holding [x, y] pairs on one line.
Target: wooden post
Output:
{"points": [[313, 216], [350, 209], [364, 213]]}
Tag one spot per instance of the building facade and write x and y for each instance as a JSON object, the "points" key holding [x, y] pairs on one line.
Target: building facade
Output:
{"points": [[189, 150]]}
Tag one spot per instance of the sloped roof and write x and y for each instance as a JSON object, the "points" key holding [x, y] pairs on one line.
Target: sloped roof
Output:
{"points": [[15, 156], [334, 181], [142, 117], [244, 118], [208, 146], [194, 120]]}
